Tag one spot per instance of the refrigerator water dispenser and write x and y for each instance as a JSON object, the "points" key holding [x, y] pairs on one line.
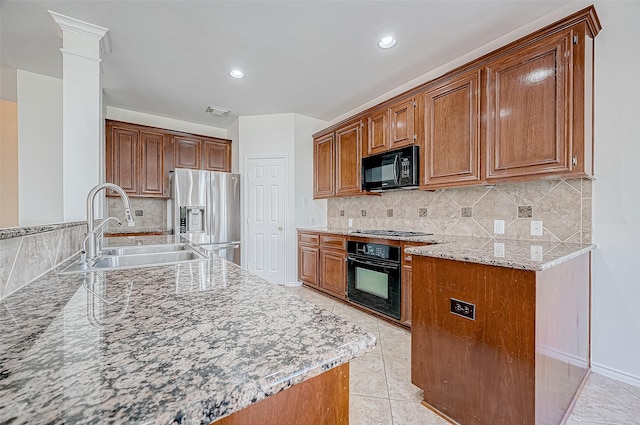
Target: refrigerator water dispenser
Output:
{"points": [[192, 219]]}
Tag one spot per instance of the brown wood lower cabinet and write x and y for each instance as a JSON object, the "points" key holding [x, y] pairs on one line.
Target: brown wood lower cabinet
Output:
{"points": [[321, 400], [333, 272], [523, 356], [308, 257]]}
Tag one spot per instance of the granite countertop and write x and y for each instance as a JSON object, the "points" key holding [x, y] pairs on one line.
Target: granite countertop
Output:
{"points": [[186, 343], [516, 254]]}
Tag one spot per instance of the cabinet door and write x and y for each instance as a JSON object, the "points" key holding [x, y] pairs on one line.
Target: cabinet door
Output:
{"points": [[122, 158], [308, 265], [187, 152], [452, 132], [405, 314], [348, 159], [333, 272], [152, 169], [377, 132], [401, 129], [528, 116], [216, 156], [324, 167]]}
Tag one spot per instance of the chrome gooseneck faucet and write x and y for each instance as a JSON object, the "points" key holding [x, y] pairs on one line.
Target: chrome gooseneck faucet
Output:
{"points": [[92, 245]]}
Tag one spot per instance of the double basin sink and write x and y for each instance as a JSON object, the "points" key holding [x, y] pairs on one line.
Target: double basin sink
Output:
{"points": [[127, 257]]}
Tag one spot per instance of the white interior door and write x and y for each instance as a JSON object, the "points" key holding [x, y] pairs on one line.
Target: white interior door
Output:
{"points": [[266, 196]]}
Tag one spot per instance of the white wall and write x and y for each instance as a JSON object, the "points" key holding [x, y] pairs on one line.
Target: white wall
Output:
{"points": [[290, 136], [142, 118], [264, 136], [308, 212], [616, 197], [40, 164], [233, 133]]}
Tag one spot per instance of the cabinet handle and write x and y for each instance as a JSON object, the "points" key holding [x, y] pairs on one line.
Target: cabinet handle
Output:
{"points": [[574, 160]]}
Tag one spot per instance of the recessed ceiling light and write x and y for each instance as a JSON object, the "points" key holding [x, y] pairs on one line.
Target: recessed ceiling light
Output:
{"points": [[236, 73], [387, 42]]}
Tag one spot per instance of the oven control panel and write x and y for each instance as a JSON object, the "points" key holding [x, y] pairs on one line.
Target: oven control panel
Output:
{"points": [[376, 250]]}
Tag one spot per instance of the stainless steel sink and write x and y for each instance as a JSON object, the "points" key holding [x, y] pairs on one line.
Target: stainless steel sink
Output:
{"points": [[145, 249], [136, 256]]}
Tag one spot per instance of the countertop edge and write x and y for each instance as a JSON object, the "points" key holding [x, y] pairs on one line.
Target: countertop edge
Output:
{"points": [[15, 232]]}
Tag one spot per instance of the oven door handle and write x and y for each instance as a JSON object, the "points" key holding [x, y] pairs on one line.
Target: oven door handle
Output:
{"points": [[385, 264]]}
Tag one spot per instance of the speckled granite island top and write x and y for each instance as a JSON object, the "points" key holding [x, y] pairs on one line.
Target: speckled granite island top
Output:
{"points": [[516, 254], [186, 343]]}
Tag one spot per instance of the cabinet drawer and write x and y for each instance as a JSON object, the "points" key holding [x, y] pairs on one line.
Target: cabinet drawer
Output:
{"points": [[333, 241], [308, 238]]}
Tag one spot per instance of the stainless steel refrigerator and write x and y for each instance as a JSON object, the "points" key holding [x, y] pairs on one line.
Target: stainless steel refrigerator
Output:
{"points": [[206, 210]]}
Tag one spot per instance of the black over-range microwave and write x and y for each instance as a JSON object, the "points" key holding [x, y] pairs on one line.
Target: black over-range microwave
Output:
{"points": [[397, 169]]}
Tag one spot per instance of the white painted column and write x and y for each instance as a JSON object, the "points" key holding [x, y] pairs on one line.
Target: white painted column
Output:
{"points": [[83, 45]]}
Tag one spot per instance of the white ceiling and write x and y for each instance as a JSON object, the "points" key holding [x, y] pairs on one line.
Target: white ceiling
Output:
{"points": [[316, 58]]}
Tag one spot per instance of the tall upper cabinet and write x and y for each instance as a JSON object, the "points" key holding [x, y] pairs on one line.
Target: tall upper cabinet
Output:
{"points": [[536, 113], [337, 162], [451, 145]]}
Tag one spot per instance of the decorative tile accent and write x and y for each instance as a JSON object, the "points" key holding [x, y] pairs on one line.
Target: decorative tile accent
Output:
{"points": [[363, 213], [466, 211], [390, 212], [422, 212], [525, 211], [341, 213]]}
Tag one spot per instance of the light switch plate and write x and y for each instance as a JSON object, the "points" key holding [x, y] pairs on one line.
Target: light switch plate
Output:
{"points": [[350, 222], [498, 249], [536, 228], [498, 227]]}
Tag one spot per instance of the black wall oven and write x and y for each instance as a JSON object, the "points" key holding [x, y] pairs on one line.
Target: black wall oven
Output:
{"points": [[374, 276]]}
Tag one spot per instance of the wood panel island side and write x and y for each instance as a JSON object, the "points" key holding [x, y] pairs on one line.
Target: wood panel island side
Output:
{"points": [[497, 340]]}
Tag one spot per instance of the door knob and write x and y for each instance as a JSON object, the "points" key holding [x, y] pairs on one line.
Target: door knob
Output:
{"points": [[279, 227]]}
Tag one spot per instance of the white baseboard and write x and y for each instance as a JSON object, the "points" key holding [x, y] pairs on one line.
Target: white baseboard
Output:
{"points": [[293, 284], [616, 374]]}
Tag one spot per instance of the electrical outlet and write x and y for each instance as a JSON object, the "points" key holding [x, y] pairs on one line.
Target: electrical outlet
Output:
{"points": [[350, 222], [312, 220], [536, 253], [498, 227], [536, 228], [498, 249], [305, 202]]}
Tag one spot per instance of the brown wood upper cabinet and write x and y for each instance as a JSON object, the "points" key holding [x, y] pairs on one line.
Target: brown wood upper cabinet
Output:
{"points": [[452, 132], [529, 108], [389, 128], [203, 153], [135, 160], [337, 162]]}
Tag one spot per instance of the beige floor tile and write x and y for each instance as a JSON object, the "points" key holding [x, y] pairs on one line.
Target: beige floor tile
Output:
{"points": [[413, 413], [369, 411], [398, 373], [632, 389], [604, 401], [395, 340], [367, 377], [573, 421], [313, 296]]}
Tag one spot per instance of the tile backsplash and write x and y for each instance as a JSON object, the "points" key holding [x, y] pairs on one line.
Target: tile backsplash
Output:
{"points": [[563, 206], [24, 258], [150, 214]]}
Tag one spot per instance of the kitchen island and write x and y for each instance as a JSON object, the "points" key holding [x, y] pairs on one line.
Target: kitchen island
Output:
{"points": [[189, 343], [510, 317]]}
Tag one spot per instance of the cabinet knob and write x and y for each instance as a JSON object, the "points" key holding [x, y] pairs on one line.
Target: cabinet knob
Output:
{"points": [[280, 227]]}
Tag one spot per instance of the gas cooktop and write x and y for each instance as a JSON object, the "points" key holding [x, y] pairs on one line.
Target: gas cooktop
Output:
{"points": [[399, 233]]}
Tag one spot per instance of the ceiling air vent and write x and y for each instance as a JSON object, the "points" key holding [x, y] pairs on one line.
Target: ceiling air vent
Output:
{"points": [[214, 110]]}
